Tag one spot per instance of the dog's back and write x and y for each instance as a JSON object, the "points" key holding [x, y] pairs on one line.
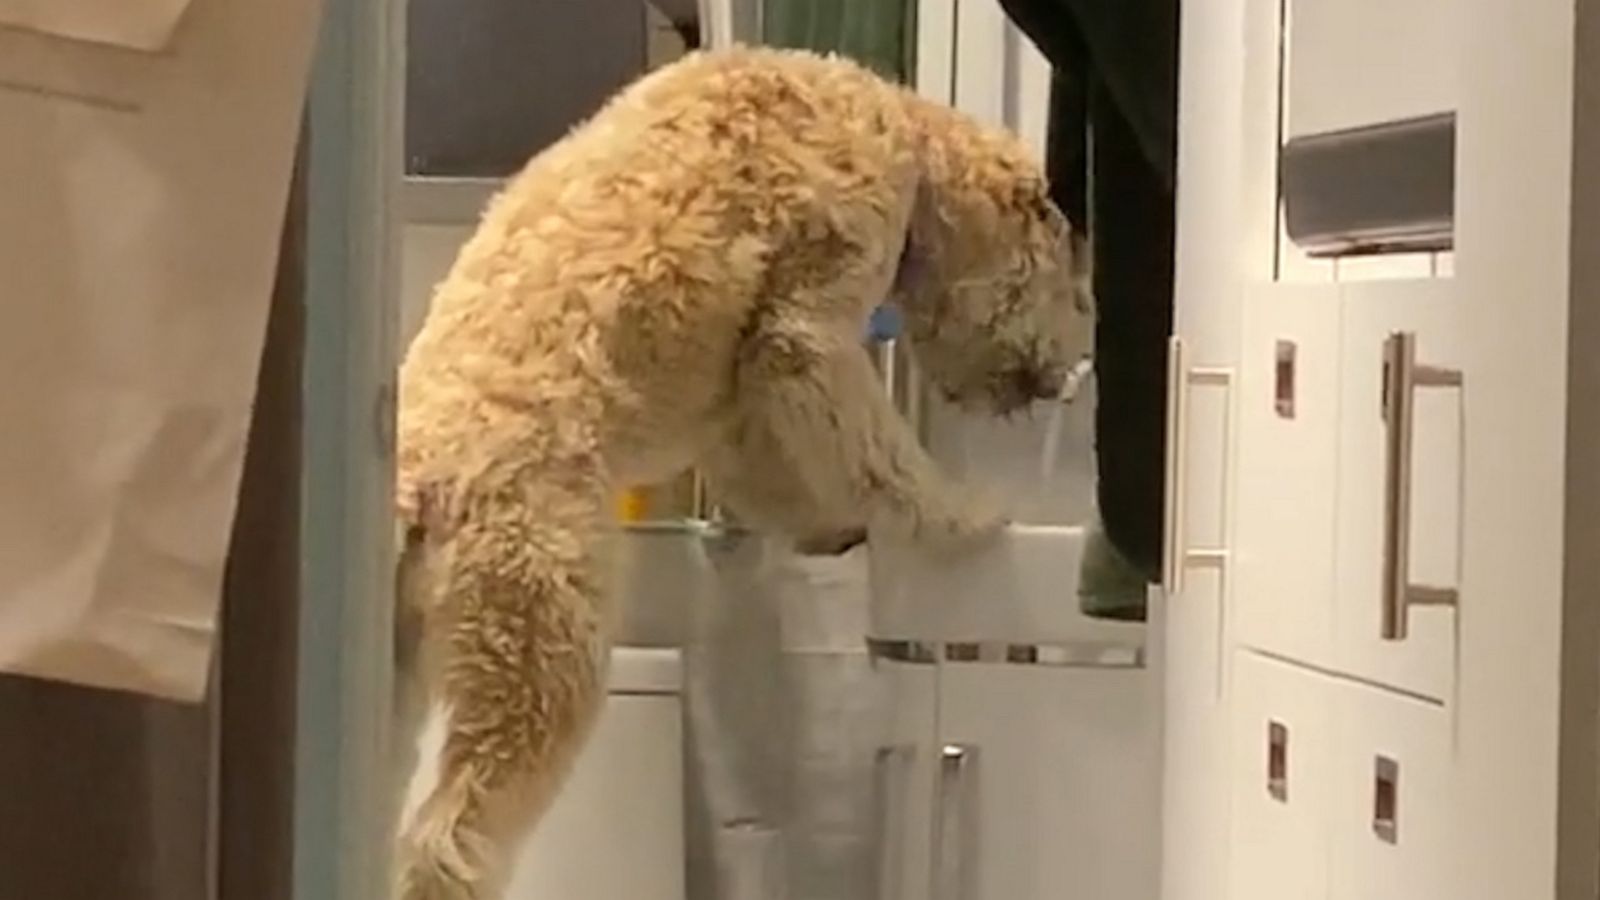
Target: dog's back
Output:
{"points": [[626, 260]]}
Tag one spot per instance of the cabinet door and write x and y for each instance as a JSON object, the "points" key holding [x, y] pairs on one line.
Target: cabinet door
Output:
{"points": [[1391, 795], [622, 800], [1357, 62], [1195, 726], [1279, 780], [904, 768], [1050, 784], [1401, 479], [1288, 469]]}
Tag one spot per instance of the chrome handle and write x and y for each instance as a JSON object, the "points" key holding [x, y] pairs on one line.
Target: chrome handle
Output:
{"points": [[1176, 430], [889, 768], [954, 847], [1401, 378], [1180, 379]]}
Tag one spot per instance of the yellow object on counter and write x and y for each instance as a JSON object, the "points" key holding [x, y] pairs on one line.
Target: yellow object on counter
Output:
{"points": [[633, 505]]}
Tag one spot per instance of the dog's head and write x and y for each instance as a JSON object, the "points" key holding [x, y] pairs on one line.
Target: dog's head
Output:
{"points": [[994, 284]]}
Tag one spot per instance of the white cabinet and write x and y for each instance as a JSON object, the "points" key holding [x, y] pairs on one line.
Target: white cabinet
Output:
{"points": [[1449, 748], [1013, 781], [1354, 62], [624, 799], [1288, 470], [1022, 754], [906, 765], [1282, 736], [1390, 791], [1340, 790], [1065, 785], [1416, 650], [1319, 560]]}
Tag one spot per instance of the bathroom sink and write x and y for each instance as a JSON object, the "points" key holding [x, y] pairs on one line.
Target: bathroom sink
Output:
{"points": [[1020, 589]]}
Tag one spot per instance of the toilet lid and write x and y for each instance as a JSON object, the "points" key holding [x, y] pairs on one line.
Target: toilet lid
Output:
{"points": [[646, 670]]}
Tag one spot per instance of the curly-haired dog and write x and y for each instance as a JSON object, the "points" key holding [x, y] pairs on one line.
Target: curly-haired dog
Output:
{"points": [[684, 280]]}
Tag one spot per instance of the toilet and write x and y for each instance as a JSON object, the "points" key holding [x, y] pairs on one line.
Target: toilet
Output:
{"points": [[616, 830]]}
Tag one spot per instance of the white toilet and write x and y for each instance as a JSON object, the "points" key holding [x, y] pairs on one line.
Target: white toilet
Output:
{"points": [[616, 831]]}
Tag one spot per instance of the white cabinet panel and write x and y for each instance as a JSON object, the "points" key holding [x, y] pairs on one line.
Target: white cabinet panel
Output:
{"points": [[1225, 231], [1423, 661], [980, 69], [1339, 790], [1032, 77], [1358, 62], [622, 801], [1194, 803], [1063, 781], [936, 49], [1282, 734], [1391, 793], [1468, 754], [1288, 470], [906, 763]]}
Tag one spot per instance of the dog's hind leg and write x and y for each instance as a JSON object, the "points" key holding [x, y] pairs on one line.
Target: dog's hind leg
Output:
{"points": [[410, 705], [520, 626]]}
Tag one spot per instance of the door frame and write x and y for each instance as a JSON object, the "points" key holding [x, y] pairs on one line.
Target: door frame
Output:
{"points": [[342, 779]]}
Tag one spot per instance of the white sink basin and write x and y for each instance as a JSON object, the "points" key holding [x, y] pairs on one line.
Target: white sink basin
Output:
{"points": [[1020, 589]]}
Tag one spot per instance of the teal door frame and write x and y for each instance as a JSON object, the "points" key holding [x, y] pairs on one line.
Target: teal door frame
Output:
{"points": [[342, 778]]}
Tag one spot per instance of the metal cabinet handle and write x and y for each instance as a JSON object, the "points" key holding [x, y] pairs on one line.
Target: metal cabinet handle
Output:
{"points": [[890, 767], [1180, 379], [1401, 377], [1176, 429], [954, 852]]}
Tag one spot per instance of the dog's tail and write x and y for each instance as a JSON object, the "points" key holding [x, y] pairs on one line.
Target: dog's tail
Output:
{"points": [[517, 626]]}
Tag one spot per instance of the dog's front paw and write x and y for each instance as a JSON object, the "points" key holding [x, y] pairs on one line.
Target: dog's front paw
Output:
{"points": [[974, 518]]}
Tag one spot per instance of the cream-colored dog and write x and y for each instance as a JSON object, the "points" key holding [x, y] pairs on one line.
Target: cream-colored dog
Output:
{"points": [[684, 280]]}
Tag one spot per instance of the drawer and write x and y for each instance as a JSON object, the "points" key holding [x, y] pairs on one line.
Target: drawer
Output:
{"points": [[1288, 470], [1282, 734], [1057, 792], [1390, 786], [1421, 656]]}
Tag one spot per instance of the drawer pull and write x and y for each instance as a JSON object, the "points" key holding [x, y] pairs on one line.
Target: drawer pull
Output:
{"points": [[891, 777], [1284, 379], [1401, 377], [1278, 761], [954, 865], [1181, 380], [1386, 800]]}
